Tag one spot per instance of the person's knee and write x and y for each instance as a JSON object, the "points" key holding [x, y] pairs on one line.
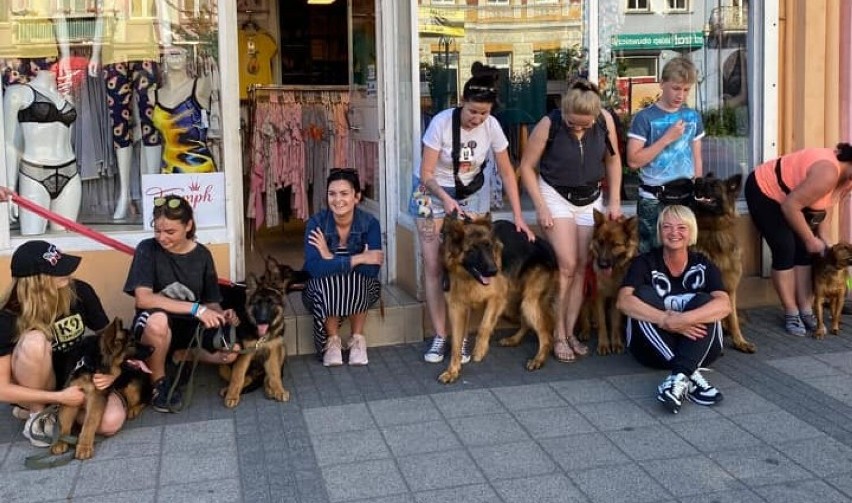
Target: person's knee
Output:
{"points": [[568, 268], [113, 418], [32, 346], [698, 300], [648, 294], [156, 332]]}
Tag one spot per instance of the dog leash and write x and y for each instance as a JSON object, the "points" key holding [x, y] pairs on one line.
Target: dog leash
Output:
{"points": [[47, 459]]}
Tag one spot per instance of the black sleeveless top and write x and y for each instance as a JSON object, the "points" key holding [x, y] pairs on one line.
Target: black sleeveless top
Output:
{"points": [[572, 162], [43, 110]]}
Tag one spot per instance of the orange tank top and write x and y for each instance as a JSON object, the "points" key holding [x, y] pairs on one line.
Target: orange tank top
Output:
{"points": [[794, 169]]}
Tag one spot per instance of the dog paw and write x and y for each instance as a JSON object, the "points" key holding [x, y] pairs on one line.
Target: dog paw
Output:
{"points": [[617, 349], [835, 330], [279, 395], [59, 448], [84, 451], [819, 333], [509, 342], [135, 411], [448, 377], [604, 349], [535, 363], [745, 346], [232, 401]]}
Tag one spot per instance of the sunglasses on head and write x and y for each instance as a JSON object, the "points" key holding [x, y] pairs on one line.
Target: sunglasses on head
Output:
{"points": [[482, 91], [173, 202]]}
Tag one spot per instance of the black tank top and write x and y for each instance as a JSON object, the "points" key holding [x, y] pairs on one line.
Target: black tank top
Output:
{"points": [[572, 162]]}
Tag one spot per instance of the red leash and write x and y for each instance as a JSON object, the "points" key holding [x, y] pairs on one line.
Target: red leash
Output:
{"points": [[82, 229]]}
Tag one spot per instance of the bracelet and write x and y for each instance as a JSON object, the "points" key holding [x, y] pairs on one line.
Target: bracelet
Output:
{"points": [[194, 310], [201, 310]]}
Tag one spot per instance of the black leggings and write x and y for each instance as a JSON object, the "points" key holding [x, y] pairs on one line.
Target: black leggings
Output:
{"points": [[658, 348], [787, 247]]}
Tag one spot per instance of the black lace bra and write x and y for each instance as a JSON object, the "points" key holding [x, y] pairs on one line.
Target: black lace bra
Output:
{"points": [[43, 110]]}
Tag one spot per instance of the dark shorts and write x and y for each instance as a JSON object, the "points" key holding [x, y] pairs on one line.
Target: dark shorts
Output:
{"points": [[183, 328]]}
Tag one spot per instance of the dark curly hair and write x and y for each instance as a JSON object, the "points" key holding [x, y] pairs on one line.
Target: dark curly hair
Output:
{"points": [[482, 86], [844, 152]]}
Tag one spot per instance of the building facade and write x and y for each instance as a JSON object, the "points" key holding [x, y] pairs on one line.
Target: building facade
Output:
{"points": [[396, 65]]}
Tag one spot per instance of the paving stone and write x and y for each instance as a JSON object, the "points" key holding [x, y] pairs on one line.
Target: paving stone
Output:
{"points": [[587, 391], [805, 367], [531, 396], [688, 476], [650, 442], [616, 484], [581, 452], [414, 409], [420, 438], [367, 479], [759, 465], [144, 496], [615, 415], [802, 491], [467, 403], [131, 443], [99, 476], [512, 460], [735, 496], [349, 447], [717, 435], [841, 482], [199, 435], [822, 456], [555, 488], [836, 387], [339, 418], [740, 400], [488, 429], [776, 427], [197, 466], [476, 493], [38, 485], [439, 470], [212, 491], [555, 422]]}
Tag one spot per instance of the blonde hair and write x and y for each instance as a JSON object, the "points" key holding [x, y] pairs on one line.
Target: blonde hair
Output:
{"points": [[582, 98], [683, 214], [679, 69], [37, 303]]}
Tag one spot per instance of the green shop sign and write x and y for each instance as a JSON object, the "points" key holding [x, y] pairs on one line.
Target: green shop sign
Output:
{"points": [[657, 40]]}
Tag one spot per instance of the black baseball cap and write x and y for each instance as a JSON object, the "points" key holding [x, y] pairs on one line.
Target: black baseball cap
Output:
{"points": [[40, 257]]}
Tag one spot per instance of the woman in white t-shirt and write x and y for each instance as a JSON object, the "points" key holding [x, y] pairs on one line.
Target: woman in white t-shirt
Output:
{"points": [[447, 185]]}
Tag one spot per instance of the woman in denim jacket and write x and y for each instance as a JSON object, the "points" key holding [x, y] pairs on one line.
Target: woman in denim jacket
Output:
{"points": [[343, 254]]}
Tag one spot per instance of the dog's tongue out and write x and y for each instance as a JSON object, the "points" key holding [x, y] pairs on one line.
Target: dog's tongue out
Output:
{"points": [[485, 280], [262, 329], [140, 365], [606, 272]]}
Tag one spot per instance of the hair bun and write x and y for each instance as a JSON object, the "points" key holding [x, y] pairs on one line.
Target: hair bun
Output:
{"points": [[844, 152], [480, 70]]}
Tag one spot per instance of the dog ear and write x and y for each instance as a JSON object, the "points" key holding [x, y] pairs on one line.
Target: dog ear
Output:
{"points": [[251, 281], [733, 184]]}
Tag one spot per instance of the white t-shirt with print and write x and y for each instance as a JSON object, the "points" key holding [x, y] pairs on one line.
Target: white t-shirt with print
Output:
{"points": [[474, 146]]}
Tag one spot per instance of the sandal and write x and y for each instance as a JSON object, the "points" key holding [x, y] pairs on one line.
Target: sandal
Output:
{"points": [[562, 351], [578, 347]]}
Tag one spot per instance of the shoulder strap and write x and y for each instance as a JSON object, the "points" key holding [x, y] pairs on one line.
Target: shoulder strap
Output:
{"points": [[555, 117], [601, 121], [781, 183], [456, 152]]}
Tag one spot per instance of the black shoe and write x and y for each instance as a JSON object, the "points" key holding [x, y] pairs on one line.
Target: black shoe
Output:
{"points": [[672, 392], [701, 391], [161, 401]]}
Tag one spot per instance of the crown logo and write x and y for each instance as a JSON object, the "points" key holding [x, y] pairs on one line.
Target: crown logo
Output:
{"points": [[194, 186]]}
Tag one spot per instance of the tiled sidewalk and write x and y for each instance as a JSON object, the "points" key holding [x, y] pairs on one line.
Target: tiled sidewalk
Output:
{"points": [[389, 432]]}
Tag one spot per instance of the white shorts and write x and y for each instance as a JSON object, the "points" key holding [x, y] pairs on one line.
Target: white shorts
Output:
{"points": [[560, 208]]}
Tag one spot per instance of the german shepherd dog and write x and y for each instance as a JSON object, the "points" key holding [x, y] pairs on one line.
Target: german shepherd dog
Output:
{"points": [[829, 276], [716, 213], [113, 351], [614, 245], [261, 337], [495, 268]]}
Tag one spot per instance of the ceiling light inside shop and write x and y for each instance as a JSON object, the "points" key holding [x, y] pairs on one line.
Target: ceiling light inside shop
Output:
{"points": [[320, 2]]}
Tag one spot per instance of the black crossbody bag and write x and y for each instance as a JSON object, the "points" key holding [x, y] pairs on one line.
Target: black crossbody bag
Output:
{"points": [[463, 191], [677, 191], [812, 217], [579, 196]]}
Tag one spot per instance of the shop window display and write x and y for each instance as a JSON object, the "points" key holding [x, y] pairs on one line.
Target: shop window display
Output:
{"points": [[138, 77]]}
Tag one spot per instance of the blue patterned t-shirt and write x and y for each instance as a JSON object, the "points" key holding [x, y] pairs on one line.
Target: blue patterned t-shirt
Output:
{"points": [[675, 161]]}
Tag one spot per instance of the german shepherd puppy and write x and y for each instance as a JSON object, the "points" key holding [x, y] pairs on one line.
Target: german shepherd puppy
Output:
{"points": [[493, 267], [829, 276], [614, 245], [105, 353], [261, 336], [716, 213]]}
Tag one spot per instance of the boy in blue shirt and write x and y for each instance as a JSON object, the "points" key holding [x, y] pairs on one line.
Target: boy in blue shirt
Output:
{"points": [[664, 144]]}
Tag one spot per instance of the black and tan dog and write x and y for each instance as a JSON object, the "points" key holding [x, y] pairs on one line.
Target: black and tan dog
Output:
{"points": [[261, 336], [495, 268], [830, 275], [614, 245], [110, 352], [716, 213]]}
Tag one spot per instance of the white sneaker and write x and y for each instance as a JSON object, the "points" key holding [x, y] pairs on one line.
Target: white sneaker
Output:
{"points": [[435, 353], [333, 356], [39, 429], [358, 350]]}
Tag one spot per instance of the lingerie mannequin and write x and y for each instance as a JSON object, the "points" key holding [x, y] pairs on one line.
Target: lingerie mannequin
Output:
{"points": [[130, 70], [39, 148], [180, 115]]}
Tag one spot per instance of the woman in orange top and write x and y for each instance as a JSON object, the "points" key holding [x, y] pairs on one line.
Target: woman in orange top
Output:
{"points": [[788, 199]]}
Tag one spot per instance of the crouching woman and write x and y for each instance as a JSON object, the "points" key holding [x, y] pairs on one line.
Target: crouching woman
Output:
{"points": [[675, 300]]}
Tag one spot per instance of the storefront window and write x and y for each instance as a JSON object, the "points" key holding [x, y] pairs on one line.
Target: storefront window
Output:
{"points": [[100, 97], [540, 46]]}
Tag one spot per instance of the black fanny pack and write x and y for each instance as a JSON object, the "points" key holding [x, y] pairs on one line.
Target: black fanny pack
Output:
{"points": [[812, 217], [463, 191], [675, 192], [579, 196]]}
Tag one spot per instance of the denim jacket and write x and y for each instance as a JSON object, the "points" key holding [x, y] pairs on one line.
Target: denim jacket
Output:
{"points": [[365, 232]]}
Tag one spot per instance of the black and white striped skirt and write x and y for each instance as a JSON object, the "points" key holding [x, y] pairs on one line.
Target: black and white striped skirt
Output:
{"points": [[338, 296]]}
